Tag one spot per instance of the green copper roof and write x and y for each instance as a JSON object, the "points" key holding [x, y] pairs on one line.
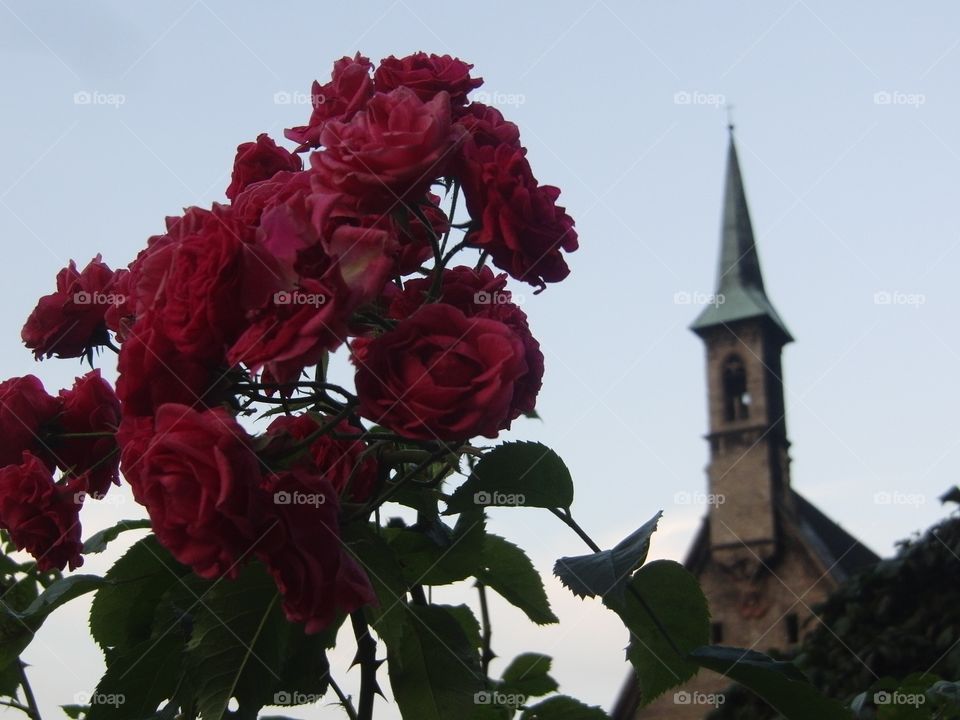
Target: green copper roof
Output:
{"points": [[739, 280]]}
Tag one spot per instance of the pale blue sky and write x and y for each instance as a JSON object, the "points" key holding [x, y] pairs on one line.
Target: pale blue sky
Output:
{"points": [[848, 124]]}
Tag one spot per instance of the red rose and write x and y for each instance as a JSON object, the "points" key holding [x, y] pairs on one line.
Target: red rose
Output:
{"points": [[347, 92], [91, 406], [294, 331], [395, 148], [486, 126], [284, 188], [42, 519], [135, 435], [70, 322], [340, 461], [517, 221], [259, 160], [120, 314], [481, 294], [440, 375], [207, 282], [363, 244], [305, 555], [26, 411], [199, 480], [427, 75], [154, 372]]}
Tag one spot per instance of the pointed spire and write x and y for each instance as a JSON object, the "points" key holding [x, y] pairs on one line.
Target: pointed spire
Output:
{"points": [[739, 291]]}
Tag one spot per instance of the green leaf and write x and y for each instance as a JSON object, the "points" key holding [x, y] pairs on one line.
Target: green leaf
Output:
{"points": [[524, 474], [423, 500], [379, 562], [98, 542], [528, 675], [139, 678], [605, 573], [122, 613], [947, 692], [674, 597], [18, 587], [434, 670], [562, 707], [301, 662], [781, 684], [952, 496], [74, 711], [468, 623], [430, 553], [235, 650], [508, 571], [18, 627]]}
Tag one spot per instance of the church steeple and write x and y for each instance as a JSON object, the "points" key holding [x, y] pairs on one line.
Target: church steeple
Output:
{"points": [[744, 337], [739, 290]]}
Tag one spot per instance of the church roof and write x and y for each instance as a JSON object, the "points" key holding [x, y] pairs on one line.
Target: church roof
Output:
{"points": [[837, 549], [840, 554], [739, 280]]}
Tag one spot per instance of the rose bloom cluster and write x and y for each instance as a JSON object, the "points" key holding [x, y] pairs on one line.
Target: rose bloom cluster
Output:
{"points": [[341, 242]]}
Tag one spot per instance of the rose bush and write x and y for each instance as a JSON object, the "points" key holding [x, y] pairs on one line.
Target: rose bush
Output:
{"points": [[264, 537]]}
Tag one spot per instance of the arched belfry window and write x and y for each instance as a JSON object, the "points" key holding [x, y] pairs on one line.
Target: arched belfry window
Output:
{"points": [[736, 399]]}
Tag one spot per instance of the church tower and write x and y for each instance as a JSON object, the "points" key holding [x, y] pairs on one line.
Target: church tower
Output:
{"points": [[764, 556], [744, 338]]}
